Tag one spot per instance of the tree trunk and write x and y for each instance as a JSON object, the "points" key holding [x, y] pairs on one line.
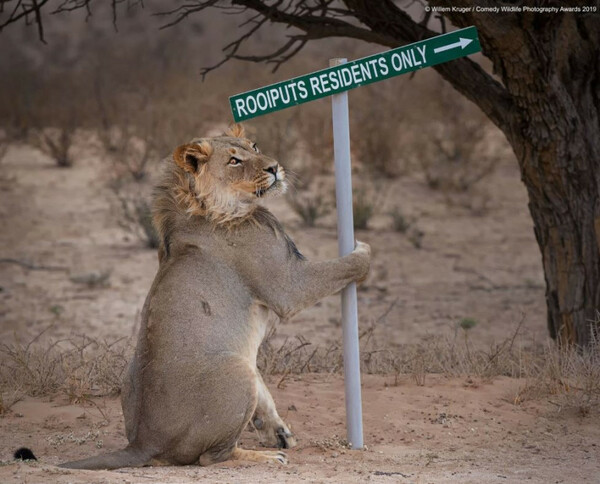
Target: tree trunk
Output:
{"points": [[552, 71], [562, 184]]}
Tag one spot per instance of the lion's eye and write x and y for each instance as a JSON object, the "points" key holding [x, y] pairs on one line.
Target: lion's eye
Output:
{"points": [[254, 147], [235, 161]]}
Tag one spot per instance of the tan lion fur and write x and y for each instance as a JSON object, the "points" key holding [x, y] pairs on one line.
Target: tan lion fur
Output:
{"points": [[225, 262]]}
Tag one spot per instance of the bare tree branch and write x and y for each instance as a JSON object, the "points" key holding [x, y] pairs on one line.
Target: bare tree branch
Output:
{"points": [[23, 11], [381, 22], [38, 20]]}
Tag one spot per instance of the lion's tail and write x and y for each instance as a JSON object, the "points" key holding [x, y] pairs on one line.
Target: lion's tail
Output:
{"points": [[127, 457]]}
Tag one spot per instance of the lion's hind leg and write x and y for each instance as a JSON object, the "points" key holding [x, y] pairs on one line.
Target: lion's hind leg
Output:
{"points": [[213, 457]]}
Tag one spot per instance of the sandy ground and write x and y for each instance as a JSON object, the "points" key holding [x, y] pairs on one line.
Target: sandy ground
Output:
{"points": [[64, 223], [450, 430]]}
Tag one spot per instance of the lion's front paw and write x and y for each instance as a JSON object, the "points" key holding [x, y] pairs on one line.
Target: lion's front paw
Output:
{"points": [[362, 248], [285, 438], [274, 434], [363, 251]]}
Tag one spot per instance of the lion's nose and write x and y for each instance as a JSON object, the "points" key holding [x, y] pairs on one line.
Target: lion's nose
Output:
{"points": [[272, 169]]}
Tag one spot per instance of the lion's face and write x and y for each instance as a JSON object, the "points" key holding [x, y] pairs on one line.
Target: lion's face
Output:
{"points": [[238, 164], [230, 173]]}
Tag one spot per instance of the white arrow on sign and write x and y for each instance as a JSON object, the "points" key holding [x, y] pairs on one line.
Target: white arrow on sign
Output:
{"points": [[462, 43]]}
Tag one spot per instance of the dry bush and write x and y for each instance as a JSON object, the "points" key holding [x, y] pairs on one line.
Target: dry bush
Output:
{"points": [[447, 145], [376, 124], [135, 125], [50, 117], [43, 104], [137, 217], [60, 108], [363, 208], [448, 155], [309, 208], [297, 355], [79, 367], [82, 365], [30, 368], [400, 222], [56, 143], [8, 399], [8, 136]]}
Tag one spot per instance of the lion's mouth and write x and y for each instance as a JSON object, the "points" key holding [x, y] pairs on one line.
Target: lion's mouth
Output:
{"points": [[275, 186]]}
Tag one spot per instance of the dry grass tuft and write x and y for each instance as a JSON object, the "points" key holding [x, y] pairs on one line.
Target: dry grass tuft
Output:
{"points": [[568, 378], [83, 367], [79, 367]]}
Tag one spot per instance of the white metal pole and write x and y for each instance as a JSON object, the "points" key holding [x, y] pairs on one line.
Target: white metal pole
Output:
{"points": [[343, 194]]}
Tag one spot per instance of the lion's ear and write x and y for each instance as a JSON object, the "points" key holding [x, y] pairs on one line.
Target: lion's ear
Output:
{"points": [[236, 131], [192, 156]]}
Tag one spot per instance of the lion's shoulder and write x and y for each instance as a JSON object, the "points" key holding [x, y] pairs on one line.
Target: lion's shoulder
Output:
{"points": [[264, 218]]}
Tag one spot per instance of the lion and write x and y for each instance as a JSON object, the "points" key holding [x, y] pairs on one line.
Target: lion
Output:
{"points": [[192, 386]]}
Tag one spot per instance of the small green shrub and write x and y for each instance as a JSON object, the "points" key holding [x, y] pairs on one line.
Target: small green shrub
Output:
{"points": [[467, 323]]}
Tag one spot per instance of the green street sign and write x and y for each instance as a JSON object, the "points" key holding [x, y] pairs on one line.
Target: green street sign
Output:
{"points": [[374, 68]]}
